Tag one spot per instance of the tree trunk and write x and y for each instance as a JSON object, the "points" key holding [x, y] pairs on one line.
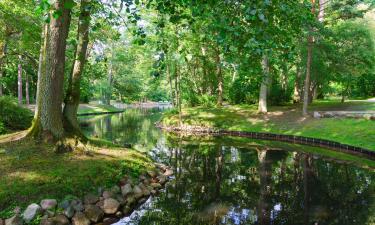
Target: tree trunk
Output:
{"points": [[72, 98], [20, 96], [310, 43], [219, 79], [297, 87], [27, 90], [110, 79], [3, 48], [178, 95], [262, 108], [48, 118]]}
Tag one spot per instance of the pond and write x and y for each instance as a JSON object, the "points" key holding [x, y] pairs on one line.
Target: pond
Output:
{"points": [[222, 180]]}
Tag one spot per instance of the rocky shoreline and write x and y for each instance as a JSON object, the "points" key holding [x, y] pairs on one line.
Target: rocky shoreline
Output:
{"points": [[105, 207]]}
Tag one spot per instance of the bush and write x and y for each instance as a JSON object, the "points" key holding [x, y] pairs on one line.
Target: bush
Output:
{"points": [[13, 116], [207, 100]]}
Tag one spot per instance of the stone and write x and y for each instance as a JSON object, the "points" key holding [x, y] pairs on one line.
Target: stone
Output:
{"points": [[64, 204], [107, 194], [146, 182], [80, 219], [119, 214], [110, 220], [49, 213], [151, 173], [126, 190], [154, 192], [31, 212], [46, 221], [137, 191], [17, 210], [127, 210], [60, 220], [142, 178], [156, 186], [77, 205], [162, 179], [130, 200], [1, 221], [48, 204], [90, 199], [115, 190], [15, 220], [110, 206], [168, 172], [94, 213], [69, 212]]}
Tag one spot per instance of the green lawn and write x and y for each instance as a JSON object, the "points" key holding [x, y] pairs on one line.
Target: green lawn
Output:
{"points": [[97, 109], [31, 172], [285, 120]]}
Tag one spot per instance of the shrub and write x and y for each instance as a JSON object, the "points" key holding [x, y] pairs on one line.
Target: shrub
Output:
{"points": [[13, 116]]}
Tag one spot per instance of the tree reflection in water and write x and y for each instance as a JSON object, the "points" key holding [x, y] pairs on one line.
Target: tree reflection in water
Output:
{"points": [[221, 181]]}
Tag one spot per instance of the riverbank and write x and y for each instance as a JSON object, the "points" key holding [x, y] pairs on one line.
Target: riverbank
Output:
{"points": [[285, 120], [32, 171]]}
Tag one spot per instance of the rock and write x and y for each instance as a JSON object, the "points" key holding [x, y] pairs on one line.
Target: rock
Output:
{"points": [[94, 213], [48, 204], [17, 210], [64, 204], [127, 210], [162, 179], [69, 212], [31, 212], [124, 181], [110, 206], [146, 182], [156, 186], [107, 194], [119, 214], [90, 199], [46, 221], [1, 221], [151, 173], [110, 220], [126, 190], [49, 213], [168, 172], [115, 190], [15, 220], [161, 167], [130, 200], [142, 178], [154, 192], [121, 200], [77, 205], [80, 219], [137, 191], [60, 220]]}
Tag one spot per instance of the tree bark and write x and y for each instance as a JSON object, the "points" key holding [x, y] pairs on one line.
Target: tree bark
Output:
{"points": [[310, 43], [27, 89], [219, 79], [48, 117], [3, 48], [20, 96], [262, 108], [297, 86], [110, 79], [73, 92]]}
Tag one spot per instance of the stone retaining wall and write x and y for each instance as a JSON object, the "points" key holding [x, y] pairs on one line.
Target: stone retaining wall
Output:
{"points": [[316, 142]]}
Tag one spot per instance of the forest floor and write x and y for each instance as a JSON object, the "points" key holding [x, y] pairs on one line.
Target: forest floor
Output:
{"points": [[285, 120], [31, 172]]}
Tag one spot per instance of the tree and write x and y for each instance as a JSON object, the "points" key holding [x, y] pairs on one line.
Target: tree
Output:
{"points": [[48, 123]]}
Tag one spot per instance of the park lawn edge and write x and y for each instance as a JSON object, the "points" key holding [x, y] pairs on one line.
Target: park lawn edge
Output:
{"points": [[355, 132], [33, 171]]}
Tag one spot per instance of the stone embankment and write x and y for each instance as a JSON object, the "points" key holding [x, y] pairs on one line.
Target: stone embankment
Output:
{"points": [[105, 207]]}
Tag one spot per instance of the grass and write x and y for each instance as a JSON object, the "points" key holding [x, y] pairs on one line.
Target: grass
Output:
{"points": [[96, 109], [285, 120], [31, 172]]}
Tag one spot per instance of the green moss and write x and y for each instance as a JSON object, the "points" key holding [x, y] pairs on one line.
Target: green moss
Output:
{"points": [[285, 120]]}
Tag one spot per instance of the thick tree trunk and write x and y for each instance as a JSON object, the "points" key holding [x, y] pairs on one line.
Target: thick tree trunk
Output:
{"points": [[262, 108], [40, 67], [27, 89], [73, 92], [20, 96], [219, 75], [48, 118], [310, 43]]}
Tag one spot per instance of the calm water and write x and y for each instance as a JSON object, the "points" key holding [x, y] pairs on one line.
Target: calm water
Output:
{"points": [[240, 181]]}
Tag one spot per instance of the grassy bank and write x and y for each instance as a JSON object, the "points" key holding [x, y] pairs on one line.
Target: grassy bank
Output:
{"points": [[285, 120], [85, 109], [31, 172]]}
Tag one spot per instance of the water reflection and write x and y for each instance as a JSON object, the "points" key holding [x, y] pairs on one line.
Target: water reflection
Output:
{"points": [[218, 181]]}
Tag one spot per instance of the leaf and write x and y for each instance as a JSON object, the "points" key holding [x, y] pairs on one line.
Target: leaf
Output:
{"points": [[69, 4]]}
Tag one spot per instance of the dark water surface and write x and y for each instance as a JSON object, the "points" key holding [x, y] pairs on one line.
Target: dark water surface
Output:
{"points": [[240, 181]]}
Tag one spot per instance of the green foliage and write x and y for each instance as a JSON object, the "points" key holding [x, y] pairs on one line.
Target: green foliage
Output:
{"points": [[13, 116]]}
